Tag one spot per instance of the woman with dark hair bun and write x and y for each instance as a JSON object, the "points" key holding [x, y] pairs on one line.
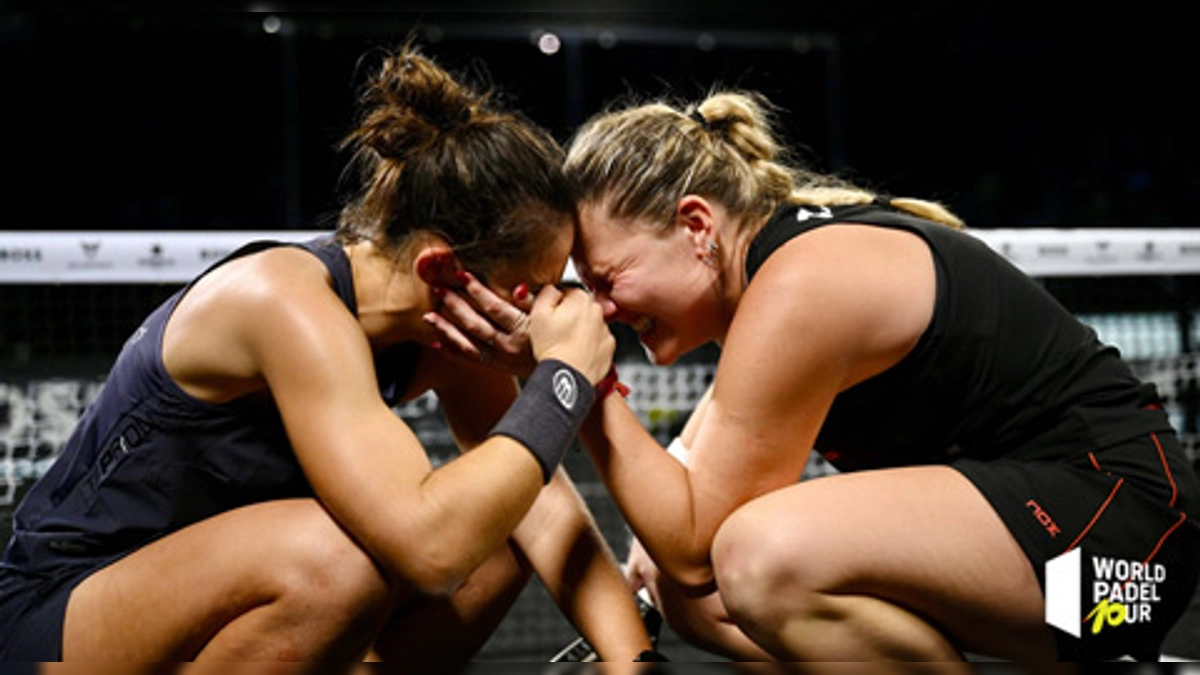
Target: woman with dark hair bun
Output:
{"points": [[242, 488]]}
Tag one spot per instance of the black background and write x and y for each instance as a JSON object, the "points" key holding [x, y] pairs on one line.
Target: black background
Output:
{"points": [[1014, 115], [122, 116]]}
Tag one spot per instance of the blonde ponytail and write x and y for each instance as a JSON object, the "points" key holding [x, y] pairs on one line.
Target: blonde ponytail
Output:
{"points": [[929, 211], [643, 158]]}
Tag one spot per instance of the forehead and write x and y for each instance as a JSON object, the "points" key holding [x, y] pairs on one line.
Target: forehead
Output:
{"points": [[547, 265], [604, 241]]}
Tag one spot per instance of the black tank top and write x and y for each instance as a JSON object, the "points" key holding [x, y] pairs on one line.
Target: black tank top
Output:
{"points": [[147, 459], [1002, 370]]}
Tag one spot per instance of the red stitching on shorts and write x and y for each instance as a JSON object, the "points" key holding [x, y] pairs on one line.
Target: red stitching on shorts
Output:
{"points": [[1163, 456], [1161, 541], [1120, 482], [1182, 517]]}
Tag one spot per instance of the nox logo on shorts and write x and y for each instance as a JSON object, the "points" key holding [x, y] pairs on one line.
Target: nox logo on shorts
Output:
{"points": [[1044, 518], [565, 389], [1119, 592]]}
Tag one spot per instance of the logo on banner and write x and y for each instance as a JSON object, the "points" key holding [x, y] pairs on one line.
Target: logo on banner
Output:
{"points": [[1118, 592], [1053, 251], [156, 258], [1149, 252], [210, 254], [20, 255], [91, 256], [1103, 253], [1007, 250]]}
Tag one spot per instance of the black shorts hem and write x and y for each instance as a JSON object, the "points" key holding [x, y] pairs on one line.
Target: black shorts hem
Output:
{"points": [[33, 609]]}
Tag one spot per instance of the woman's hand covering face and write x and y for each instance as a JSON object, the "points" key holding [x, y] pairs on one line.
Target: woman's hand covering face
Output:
{"points": [[478, 325]]}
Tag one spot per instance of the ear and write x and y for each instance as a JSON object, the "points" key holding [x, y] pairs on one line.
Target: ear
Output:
{"points": [[697, 217], [438, 266]]}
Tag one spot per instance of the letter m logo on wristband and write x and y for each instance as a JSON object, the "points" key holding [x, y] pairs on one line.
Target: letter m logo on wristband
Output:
{"points": [[565, 388]]}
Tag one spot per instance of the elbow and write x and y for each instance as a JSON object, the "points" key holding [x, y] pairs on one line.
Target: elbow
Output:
{"points": [[428, 572], [694, 577], [697, 583]]}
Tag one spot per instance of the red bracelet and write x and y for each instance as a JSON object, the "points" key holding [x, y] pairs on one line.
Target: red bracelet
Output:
{"points": [[609, 384]]}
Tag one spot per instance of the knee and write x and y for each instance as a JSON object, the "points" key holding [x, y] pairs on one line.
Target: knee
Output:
{"points": [[764, 570], [319, 566]]}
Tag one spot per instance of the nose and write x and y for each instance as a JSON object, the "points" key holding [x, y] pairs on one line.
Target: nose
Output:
{"points": [[606, 303]]}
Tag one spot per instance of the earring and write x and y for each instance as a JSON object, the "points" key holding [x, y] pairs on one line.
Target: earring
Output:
{"points": [[710, 255]]}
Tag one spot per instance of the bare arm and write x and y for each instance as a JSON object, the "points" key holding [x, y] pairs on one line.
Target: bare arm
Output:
{"points": [[580, 572], [364, 463], [795, 343], [654, 491], [558, 536]]}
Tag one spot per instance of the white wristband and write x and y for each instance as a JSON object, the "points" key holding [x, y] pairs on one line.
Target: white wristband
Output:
{"points": [[679, 451]]}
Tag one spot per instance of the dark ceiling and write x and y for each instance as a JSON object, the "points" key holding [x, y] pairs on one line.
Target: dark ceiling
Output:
{"points": [[227, 119]]}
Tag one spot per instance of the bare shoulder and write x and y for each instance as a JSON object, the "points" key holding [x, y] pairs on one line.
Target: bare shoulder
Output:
{"points": [[279, 299], [855, 294], [286, 297]]}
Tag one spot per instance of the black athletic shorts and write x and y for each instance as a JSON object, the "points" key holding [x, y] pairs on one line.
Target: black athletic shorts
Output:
{"points": [[32, 610], [1131, 512]]}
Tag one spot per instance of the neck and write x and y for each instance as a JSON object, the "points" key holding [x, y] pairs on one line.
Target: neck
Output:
{"points": [[731, 270], [391, 298]]}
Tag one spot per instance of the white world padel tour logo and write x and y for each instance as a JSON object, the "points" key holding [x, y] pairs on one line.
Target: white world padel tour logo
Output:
{"points": [[1121, 592]]}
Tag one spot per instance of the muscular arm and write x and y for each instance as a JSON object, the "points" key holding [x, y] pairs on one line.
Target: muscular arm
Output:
{"points": [[580, 572], [558, 536], [805, 330], [366, 466]]}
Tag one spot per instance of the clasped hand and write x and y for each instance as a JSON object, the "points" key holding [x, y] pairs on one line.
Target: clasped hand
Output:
{"points": [[478, 325]]}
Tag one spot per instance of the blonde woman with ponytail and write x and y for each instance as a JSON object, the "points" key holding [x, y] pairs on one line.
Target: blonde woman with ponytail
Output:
{"points": [[979, 429], [242, 489]]}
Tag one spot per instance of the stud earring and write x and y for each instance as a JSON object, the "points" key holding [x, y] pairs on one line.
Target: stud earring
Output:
{"points": [[710, 255]]}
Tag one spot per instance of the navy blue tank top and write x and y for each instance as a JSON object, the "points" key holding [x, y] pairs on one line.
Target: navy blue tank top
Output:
{"points": [[1003, 369], [147, 459]]}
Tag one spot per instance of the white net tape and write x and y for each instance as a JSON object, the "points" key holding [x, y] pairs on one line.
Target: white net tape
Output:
{"points": [[117, 257]]}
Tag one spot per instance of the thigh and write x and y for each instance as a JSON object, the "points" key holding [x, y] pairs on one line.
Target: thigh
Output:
{"points": [[921, 537], [165, 601]]}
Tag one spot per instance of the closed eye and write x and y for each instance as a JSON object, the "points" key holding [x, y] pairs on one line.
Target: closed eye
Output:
{"points": [[597, 285]]}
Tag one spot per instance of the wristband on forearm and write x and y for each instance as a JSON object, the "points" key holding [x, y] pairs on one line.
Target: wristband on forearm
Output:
{"points": [[548, 413]]}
